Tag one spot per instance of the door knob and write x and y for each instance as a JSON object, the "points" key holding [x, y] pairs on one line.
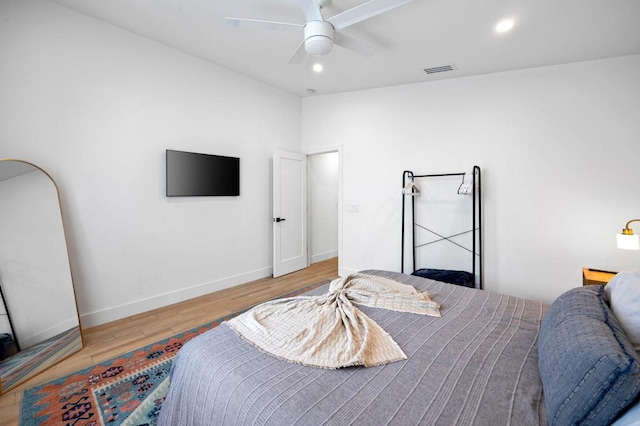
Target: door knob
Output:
{"points": [[279, 219]]}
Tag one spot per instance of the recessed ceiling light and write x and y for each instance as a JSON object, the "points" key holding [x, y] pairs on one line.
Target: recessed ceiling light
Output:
{"points": [[504, 26], [318, 67]]}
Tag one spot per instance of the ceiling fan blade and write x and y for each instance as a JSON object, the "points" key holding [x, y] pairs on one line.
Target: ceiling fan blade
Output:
{"points": [[263, 25], [298, 55], [311, 10], [364, 11], [354, 44]]}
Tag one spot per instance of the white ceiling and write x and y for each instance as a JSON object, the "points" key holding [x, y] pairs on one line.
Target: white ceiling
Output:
{"points": [[421, 34]]}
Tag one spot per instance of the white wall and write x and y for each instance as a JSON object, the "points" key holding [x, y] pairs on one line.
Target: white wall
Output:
{"points": [[96, 107], [34, 268], [558, 147], [323, 206]]}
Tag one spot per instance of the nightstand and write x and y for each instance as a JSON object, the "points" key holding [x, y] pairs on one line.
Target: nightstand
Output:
{"points": [[596, 276]]}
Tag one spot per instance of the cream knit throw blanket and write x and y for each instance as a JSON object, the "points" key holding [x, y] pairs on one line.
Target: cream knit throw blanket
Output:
{"points": [[329, 331]]}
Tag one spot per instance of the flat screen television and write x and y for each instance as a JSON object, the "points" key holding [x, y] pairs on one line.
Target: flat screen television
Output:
{"points": [[193, 175]]}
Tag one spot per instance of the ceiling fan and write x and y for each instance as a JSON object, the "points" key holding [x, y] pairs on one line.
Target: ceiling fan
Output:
{"points": [[321, 34]]}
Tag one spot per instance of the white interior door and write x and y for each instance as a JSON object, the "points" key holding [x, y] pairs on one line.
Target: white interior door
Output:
{"points": [[289, 212]]}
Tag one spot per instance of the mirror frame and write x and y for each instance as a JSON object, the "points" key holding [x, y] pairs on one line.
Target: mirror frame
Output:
{"points": [[75, 296]]}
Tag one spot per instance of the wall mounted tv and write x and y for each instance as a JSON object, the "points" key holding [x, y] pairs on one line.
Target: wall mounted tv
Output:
{"points": [[192, 175]]}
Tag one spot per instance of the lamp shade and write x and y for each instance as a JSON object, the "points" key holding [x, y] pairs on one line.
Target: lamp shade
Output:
{"points": [[628, 242]]}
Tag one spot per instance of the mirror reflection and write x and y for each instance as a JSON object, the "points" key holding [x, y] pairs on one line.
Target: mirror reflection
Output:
{"points": [[39, 323]]}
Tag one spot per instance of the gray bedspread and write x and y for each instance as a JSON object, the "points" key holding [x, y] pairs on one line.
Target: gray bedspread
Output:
{"points": [[475, 365]]}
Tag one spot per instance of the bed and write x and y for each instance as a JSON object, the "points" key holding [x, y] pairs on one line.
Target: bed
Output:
{"points": [[490, 359]]}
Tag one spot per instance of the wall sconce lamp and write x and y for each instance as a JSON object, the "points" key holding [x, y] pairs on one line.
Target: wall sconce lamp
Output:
{"points": [[627, 239]]}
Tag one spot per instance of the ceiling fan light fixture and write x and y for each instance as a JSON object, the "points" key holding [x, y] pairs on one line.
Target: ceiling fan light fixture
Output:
{"points": [[318, 45], [320, 34], [318, 37]]}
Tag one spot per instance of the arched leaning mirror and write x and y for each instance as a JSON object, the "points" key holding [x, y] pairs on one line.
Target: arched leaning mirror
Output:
{"points": [[39, 324]]}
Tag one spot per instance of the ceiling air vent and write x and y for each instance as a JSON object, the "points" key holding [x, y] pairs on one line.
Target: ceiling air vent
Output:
{"points": [[436, 70]]}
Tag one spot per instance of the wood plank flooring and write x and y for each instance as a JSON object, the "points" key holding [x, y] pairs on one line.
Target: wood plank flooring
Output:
{"points": [[118, 337]]}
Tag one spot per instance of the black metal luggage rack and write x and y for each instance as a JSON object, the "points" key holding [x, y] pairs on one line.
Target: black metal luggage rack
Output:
{"points": [[451, 234]]}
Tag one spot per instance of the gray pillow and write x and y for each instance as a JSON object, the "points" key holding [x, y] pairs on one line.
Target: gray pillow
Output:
{"points": [[589, 369]]}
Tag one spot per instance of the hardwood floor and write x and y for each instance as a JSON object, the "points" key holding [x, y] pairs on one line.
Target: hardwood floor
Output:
{"points": [[118, 337]]}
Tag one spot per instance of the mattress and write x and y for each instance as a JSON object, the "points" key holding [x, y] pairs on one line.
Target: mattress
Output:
{"points": [[476, 364]]}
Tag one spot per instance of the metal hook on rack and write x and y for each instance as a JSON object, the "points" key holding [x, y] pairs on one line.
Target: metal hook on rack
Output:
{"points": [[411, 189], [465, 187]]}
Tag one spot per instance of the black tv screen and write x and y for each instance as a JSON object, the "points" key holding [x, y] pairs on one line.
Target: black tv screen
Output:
{"points": [[191, 175]]}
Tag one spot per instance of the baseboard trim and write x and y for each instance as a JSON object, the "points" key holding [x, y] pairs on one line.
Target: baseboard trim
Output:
{"points": [[103, 316], [43, 335], [348, 271], [324, 256]]}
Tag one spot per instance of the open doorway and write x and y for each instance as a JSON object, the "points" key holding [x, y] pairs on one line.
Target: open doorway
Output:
{"points": [[323, 205]]}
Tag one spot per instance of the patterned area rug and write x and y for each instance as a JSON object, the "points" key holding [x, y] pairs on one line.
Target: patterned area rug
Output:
{"points": [[127, 390]]}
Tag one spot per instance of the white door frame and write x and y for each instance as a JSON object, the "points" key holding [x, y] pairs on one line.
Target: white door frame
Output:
{"points": [[326, 150]]}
